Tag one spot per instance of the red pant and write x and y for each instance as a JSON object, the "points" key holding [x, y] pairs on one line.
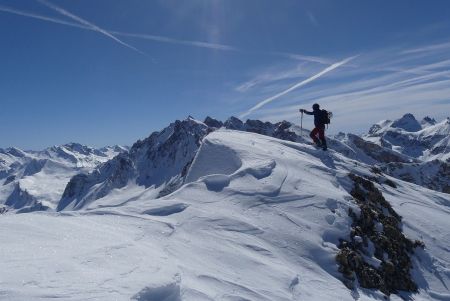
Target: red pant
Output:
{"points": [[315, 131]]}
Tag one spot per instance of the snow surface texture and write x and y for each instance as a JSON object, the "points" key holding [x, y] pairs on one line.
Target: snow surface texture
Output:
{"points": [[258, 218], [159, 162]]}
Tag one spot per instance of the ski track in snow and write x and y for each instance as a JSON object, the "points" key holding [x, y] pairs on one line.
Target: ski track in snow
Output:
{"points": [[258, 219]]}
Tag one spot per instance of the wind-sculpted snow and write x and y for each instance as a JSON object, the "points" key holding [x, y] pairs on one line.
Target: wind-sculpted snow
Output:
{"points": [[162, 160], [266, 228]]}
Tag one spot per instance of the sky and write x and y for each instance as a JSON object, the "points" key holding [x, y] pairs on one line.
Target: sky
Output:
{"points": [[105, 72]]}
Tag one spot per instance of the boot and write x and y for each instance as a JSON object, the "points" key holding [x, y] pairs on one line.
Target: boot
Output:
{"points": [[324, 144]]}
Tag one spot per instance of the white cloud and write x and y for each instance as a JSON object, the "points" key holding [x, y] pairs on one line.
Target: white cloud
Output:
{"points": [[366, 104], [40, 17], [429, 48], [382, 84], [177, 41]]}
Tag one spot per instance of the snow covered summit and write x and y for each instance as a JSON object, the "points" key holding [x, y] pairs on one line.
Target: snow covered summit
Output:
{"points": [[426, 144], [229, 211], [427, 140], [257, 218]]}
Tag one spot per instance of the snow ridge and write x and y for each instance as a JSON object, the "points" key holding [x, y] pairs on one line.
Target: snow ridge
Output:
{"points": [[198, 212]]}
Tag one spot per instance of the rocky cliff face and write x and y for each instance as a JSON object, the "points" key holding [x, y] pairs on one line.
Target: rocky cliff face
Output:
{"points": [[157, 161], [434, 174]]}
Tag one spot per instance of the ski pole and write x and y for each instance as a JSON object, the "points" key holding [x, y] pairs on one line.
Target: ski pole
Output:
{"points": [[301, 126]]}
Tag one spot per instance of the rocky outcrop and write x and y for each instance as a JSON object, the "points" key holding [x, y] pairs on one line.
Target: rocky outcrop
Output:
{"points": [[234, 123], [157, 161], [376, 151], [213, 123], [378, 254], [19, 198], [434, 174]]}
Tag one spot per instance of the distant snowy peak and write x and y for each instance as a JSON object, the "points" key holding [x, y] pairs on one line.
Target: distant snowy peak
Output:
{"points": [[408, 123], [114, 149], [213, 123], [13, 151], [35, 180], [427, 140], [427, 121], [427, 144], [81, 155], [71, 153]]}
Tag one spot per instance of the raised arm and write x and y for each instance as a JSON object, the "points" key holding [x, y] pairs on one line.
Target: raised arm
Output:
{"points": [[306, 112]]}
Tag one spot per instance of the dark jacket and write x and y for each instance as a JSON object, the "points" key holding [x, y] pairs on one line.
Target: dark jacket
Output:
{"points": [[317, 122]]}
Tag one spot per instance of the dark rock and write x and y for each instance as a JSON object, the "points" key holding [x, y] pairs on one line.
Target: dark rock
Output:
{"points": [[234, 123], [9, 179], [214, 123], [393, 274]]}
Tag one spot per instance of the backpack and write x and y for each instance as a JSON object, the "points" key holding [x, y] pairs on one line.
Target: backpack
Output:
{"points": [[325, 117]]}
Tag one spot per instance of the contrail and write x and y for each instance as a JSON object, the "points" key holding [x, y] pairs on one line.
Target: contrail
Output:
{"points": [[40, 17], [162, 39], [87, 24], [298, 85], [176, 41], [119, 33]]}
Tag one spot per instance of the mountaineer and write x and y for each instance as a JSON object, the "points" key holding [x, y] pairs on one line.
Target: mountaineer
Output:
{"points": [[321, 118]]}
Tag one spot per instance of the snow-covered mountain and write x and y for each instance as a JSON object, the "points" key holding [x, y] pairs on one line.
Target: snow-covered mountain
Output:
{"points": [[36, 179], [161, 161], [426, 140], [425, 143], [256, 218], [228, 211]]}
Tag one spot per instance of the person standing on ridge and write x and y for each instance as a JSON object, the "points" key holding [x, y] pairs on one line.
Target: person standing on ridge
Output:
{"points": [[319, 125]]}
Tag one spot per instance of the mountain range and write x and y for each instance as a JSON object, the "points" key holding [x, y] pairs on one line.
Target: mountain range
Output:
{"points": [[232, 210]]}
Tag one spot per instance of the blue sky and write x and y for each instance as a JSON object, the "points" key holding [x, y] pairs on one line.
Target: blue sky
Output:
{"points": [[104, 72]]}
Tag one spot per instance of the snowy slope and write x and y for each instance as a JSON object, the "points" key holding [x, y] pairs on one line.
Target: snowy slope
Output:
{"points": [[161, 160], [258, 218]]}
